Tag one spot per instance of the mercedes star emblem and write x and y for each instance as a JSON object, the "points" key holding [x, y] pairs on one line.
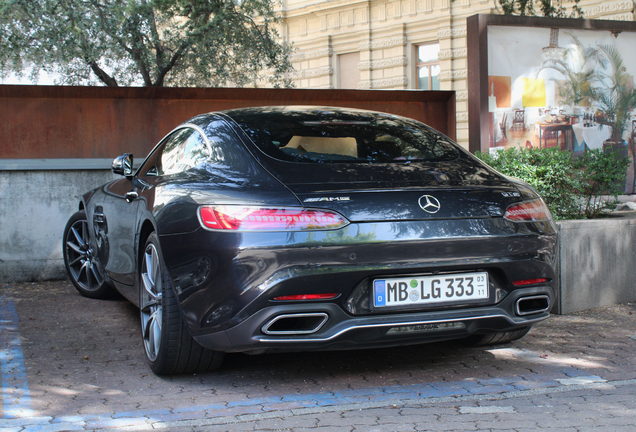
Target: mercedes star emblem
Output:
{"points": [[429, 203]]}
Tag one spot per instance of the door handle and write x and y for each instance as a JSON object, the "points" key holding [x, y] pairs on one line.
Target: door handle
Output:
{"points": [[131, 196]]}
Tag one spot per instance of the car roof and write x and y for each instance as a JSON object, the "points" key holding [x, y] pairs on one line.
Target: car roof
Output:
{"points": [[292, 110]]}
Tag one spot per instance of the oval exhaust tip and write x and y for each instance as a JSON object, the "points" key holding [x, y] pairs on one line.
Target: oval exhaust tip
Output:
{"points": [[532, 305], [295, 324]]}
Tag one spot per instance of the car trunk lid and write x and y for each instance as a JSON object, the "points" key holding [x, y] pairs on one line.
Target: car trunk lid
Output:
{"points": [[392, 192]]}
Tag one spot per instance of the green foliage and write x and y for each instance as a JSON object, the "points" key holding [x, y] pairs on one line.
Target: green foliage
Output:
{"points": [[614, 92], [145, 42], [597, 174], [548, 171], [573, 187], [549, 8]]}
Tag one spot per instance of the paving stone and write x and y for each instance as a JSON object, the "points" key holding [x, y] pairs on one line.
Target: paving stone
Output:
{"points": [[325, 429], [58, 427], [402, 427], [450, 426], [7, 422], [491, 409], [234, 427], [308, 421], [626, 427], [551, 429], [505, 425]]}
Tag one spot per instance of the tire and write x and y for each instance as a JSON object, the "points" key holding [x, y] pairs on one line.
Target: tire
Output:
{"points": [[496, 338], [80, 263], [168, 345]]}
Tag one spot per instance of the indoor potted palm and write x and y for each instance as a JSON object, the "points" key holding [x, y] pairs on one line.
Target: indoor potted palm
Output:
{"points": [[578, 67], [577, 64], [614, 97]]}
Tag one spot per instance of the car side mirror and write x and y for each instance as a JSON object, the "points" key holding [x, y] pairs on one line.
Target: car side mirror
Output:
{"points": [[123, 165]]}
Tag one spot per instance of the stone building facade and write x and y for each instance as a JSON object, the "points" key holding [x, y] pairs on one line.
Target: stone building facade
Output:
{"points": [[396, 44]]}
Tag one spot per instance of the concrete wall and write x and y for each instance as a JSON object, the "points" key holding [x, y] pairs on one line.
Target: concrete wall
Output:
{"points": [[34, 208], [597, 263]]}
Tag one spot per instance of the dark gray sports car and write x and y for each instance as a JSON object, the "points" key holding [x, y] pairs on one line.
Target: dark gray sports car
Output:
{"points": [[311, 228]]}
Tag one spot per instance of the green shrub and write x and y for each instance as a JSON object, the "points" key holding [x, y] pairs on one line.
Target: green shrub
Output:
{"points": [[599, 174], [572, 186]]}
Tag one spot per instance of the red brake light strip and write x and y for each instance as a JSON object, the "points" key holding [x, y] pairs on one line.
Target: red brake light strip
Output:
{"points": [[240, 218], [326, 296], [529, 281]]}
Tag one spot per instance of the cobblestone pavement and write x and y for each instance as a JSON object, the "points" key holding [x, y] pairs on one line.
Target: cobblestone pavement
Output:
{"points": [[71, 363]]}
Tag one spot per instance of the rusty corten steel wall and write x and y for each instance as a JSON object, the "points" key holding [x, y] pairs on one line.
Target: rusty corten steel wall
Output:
{"points": [[42, 122]]}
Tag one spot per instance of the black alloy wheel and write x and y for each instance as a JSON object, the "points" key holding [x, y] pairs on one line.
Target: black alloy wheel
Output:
{"points": [[79, 260], [169, 347]]}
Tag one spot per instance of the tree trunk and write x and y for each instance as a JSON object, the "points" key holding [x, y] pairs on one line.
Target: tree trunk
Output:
{"points": [[102, 75], [632, 146]]}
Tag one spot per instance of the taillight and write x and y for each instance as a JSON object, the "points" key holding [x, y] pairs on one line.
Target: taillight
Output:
{"points": [[529, 281], [325, 296], [241, 218], [528, 211]]}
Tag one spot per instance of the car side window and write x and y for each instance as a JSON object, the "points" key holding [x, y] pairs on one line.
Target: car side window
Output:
{"points": [[226, 148], [195, 151], [181, 150]]}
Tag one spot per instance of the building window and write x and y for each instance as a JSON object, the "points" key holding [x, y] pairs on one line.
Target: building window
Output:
{"points": [[348, 73], [428, 67]]}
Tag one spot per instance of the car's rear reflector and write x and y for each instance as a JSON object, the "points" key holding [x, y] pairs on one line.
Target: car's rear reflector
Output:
{"points": [[528, 211], [529, 281], [241, 218], [326, 296]]}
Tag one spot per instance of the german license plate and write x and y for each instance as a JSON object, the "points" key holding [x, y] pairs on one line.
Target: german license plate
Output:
{"points": [[424, 290]]}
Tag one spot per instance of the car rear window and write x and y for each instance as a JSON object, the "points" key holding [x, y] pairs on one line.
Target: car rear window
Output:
{"points": [[337, 137]]}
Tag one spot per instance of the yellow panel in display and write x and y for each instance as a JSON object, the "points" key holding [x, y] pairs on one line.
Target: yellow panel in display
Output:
{"points": [[533, 93]]}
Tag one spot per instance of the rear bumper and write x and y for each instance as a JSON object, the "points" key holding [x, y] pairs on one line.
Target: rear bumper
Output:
{"points": [[224, 279], [343, 331]]}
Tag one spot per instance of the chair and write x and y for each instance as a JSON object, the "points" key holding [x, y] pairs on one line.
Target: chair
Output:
{"points": [[551, 135], [519, 119], [502, 125], [633, 129]]}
